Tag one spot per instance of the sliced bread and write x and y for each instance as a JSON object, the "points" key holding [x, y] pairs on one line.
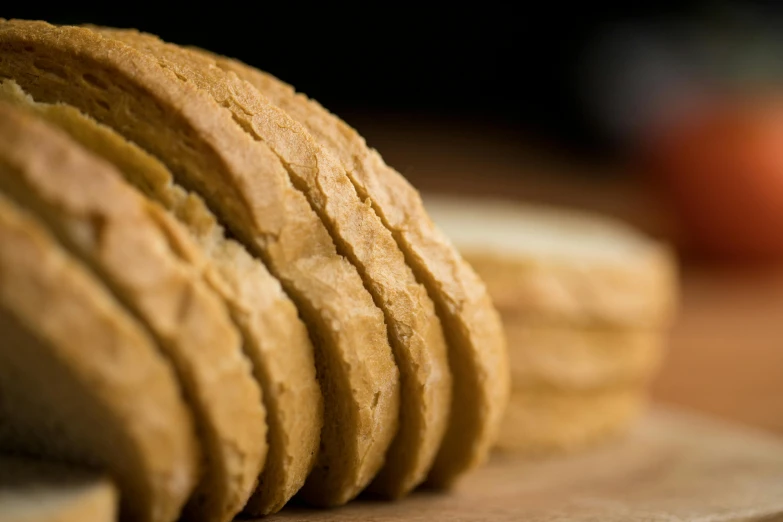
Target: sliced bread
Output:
{"points": [[545, 422], [81, 381], [562, 265], [245, 184], [414, 330], [107, 224], [275, 339], [37, 491], [565, 358], [476, 348]]}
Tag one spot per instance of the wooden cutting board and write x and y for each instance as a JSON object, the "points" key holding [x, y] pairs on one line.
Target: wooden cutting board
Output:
{"points": [[671, 467]]}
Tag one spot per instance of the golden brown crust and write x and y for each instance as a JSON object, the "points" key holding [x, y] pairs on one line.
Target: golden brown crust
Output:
{"points": [[539, 423], [565, 358], [473, 331], [414, 329], [275, 339], [248, 188], [147, 441], [107, 224]]}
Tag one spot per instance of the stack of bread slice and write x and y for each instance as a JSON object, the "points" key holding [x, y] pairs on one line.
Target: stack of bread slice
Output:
{"points": [[586, 303], [214, 292]]}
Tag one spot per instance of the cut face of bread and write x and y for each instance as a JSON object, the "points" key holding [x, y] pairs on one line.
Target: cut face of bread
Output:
{"points": [[80, 380], [476, 348], [99, 218], [564, 358], [35, 491], [275, 339], [562, 265], [245, 184], [542, 422], [414, 330]]}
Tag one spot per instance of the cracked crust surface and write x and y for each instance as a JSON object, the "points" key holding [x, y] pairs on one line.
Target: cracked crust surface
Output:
{"points": [[274, 337], [474, 334], [80, 379], [415, 332], [245, 184], [108, 225]]}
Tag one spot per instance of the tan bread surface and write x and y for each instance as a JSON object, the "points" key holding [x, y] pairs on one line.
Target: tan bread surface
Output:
{"points": [[476, 348], [562, 265], [545, 422], [36, 491], [111, 227], [274, 337], [247, 187], [569, 358], [83, 382]]}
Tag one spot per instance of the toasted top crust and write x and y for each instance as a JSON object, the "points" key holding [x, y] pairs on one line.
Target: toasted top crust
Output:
{"points": [[473, 330], [414, 329], [275, 339], [34, 491], [562, 265], [83, 381], [247, 187], [109, 225]]}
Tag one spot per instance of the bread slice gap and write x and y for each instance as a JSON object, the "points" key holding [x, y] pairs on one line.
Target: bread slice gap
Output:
{"points": [[415, 333], [80, 379], [109, 226], [474, 334], [248, 189], [275, 339], [36, 491]]}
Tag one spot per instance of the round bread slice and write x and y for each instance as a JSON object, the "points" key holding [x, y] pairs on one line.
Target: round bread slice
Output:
{"points": [[275, 339], [100, 219], [562, 265], [414, 330], [36, 491], [80, 380], [476, 347], [572, 359], [541, 423], [246, 186]]}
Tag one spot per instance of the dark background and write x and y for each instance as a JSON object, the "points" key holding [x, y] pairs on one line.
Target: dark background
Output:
{"points": [[516, 66]]}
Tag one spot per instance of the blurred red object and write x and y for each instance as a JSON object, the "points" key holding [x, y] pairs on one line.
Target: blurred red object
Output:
{"points": [[720, 168]]}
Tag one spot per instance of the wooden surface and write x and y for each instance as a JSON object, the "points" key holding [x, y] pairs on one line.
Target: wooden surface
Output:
{"points": [[672, 467]]}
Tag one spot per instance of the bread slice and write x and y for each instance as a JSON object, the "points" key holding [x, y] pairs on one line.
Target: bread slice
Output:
{"points": [[275, 339], [414, 330], [572, 359], [562, 265], [476, 348], [542, 423], [36, 491], [99, 218], [248, 189], [80, 380]]}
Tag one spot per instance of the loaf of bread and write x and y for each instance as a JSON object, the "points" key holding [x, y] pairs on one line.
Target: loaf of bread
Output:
{"points": [[477, 355], [414, 330], [81, 380], [274, 338], [109, 226], [35, 491], [324, 335], [586, 303]]}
